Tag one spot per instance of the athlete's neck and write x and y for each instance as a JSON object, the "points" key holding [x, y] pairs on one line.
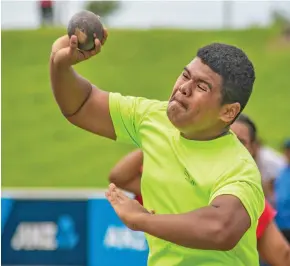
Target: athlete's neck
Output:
{"points": [[204, 136]]}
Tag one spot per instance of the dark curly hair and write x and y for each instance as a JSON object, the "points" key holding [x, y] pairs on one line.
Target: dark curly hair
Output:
{"points": [[235, 68]]}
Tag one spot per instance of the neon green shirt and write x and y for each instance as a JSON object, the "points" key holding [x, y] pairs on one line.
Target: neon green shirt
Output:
{"points": [[181, 175]]}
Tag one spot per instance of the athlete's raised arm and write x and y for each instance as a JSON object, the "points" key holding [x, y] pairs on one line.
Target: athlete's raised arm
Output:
{"points": [[81, 102]]}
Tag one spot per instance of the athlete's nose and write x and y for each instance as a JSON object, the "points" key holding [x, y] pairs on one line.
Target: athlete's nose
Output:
{"points": [[185, 89]]}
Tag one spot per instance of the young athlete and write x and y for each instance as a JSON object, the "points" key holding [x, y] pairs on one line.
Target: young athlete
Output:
{"points": [[206, 213]]}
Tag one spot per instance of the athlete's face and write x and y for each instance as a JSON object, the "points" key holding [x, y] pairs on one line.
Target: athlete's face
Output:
{"points": [[195, 103], [243, 134]]}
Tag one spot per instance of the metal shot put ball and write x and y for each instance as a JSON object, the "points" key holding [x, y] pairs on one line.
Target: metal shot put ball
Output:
{"points": [[84, 25]]}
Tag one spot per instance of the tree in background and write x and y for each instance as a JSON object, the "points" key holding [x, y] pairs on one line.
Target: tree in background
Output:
{"points": [[282, 20], [103, 8]]}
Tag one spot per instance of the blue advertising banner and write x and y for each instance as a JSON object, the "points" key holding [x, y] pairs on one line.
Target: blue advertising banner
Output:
{"points": [[44, 232], [66, 231], [110, 242]]}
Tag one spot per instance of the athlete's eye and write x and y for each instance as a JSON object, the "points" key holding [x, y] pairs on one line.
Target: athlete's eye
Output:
{"points": [[202, 87], [185, 75]]}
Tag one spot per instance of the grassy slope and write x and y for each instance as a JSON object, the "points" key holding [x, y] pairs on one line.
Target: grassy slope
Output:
{"points": [[40, 148]]}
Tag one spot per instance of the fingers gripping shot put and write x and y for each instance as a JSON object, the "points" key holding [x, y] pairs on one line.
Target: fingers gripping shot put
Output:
{"points": [[209, 188]]}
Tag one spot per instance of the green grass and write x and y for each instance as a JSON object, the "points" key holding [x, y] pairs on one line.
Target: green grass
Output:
{"points": [[40, 148]]}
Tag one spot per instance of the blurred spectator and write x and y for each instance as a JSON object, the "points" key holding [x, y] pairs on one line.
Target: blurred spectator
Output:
{"points": [[46, 8], [270, 164], [286, 32], [282, 195]]}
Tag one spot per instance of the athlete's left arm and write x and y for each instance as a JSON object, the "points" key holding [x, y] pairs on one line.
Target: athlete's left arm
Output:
{"points": [[235, 204], [219, 226]]}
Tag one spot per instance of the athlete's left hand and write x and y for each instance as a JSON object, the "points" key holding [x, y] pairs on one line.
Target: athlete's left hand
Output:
{"points": [[129, 210]]}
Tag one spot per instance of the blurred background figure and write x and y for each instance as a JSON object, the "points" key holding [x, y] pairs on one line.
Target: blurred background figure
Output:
{"points": [[46, 12], [127, 173], [270, 163], [272, 245], [282, 194]]}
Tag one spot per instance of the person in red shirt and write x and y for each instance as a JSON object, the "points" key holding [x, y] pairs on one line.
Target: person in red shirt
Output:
{"points": [[271, 244], [47, 12], [266, 218]]}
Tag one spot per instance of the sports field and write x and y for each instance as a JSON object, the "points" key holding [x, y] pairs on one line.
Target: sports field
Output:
{"points": [[40, 148]]}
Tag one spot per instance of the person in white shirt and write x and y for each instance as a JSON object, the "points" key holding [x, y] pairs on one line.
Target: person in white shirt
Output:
{"points": [[270, 162]]}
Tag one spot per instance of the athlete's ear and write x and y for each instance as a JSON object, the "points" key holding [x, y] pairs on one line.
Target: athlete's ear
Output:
{"points": [[229, 112]]}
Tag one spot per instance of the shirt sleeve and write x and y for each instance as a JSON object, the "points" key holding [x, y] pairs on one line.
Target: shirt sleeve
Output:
{"points": [[267, 217], [127, 113], [244, 182]]}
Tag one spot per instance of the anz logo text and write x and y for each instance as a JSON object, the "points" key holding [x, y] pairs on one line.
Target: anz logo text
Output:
{"points": [[46, 235]]}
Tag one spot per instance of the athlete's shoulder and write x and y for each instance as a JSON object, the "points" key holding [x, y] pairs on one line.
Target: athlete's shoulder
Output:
{"points": [[136, 106], [137, 101], [154, 106], [155, 119], [239, 160], [241, 152], [156, 111]]}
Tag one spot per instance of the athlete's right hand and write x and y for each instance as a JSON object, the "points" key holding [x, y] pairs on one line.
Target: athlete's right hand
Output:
{"points": [[65, 51]]}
